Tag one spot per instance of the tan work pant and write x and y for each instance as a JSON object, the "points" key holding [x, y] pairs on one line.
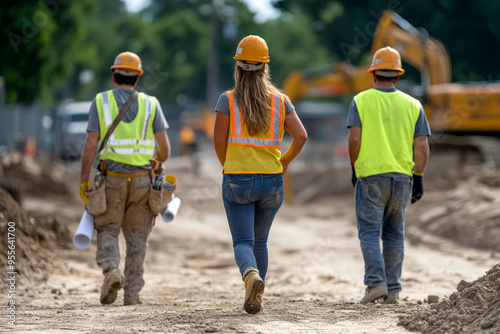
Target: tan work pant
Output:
{"points": [[128, 209]]}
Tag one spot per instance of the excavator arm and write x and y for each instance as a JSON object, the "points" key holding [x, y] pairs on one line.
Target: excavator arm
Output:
{"points": [[341, 80], [466, 109], [426, 54]]}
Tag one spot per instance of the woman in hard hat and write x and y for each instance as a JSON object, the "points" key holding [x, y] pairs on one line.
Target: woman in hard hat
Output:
{"points": [[250, 123]]}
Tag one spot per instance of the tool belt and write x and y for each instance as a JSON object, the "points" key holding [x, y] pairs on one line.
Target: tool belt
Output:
{"points": [[96, 198], [140, 172], [158, 195]]}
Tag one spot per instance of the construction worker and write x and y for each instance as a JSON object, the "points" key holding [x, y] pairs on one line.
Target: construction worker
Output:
{"points": [[126, 159], [189, 147], [250, 122], [387, 128]]}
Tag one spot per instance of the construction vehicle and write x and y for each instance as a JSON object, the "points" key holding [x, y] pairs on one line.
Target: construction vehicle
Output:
{"points": [[467, 113], [71, 128], [425, 53]]}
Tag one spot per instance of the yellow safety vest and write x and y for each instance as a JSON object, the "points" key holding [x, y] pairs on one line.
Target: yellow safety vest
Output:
{"points": [[388, 122], [259, 154], [130, 143]]}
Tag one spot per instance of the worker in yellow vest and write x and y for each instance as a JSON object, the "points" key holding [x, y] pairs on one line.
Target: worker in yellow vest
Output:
{"points": [[387, 128], [127, 156], [250, 122]]}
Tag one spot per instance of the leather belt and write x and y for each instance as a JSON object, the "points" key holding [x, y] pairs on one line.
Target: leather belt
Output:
{"points": [[140, 172]]}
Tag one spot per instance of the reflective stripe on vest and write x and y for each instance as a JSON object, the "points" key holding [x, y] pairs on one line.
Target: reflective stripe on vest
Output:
{"points": [[128, 150], [254, 141], [236, 136], [146, 119], [109, 120], [116, 142], [131, 142], [107, 113]]}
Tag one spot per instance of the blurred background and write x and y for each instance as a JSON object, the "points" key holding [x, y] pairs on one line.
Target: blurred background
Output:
{"points": [[56, 56]]}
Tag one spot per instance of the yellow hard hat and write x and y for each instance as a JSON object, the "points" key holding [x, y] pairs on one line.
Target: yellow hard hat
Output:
{"points": [[252, 49], [128, 61], [386, 59]]}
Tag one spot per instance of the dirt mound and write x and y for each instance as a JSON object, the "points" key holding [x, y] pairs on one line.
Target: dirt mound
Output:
{"points": [[468, 214], [473, 308], [35, 240], [36, 176]]}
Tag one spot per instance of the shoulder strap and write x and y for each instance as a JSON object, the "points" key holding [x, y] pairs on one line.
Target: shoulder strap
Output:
{"points": [[118, 119]]}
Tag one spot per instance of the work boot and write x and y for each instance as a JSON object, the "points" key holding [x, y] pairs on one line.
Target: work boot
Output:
{"points": [[254, 289], [132, 301], [259, 295], [112, 283], [392, 298], [372, 294]]}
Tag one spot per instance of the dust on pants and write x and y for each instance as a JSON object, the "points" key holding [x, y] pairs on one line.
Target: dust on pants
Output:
{"points": [[128, 209]]}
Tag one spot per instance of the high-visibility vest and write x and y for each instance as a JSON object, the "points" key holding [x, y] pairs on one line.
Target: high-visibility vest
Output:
{"points": [[130, 143], [388, 122], [254, 154]]}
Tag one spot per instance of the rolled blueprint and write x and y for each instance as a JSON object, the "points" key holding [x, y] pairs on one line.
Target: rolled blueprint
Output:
{"points": [[171, 210], [83, 234]]}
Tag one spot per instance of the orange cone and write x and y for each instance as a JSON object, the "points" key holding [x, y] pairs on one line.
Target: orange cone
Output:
{"points": [[30, 147]]}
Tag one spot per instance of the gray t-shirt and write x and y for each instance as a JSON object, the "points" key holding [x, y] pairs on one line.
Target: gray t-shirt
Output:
{"points": [[121, 96], [223, 105], [421, 127]]}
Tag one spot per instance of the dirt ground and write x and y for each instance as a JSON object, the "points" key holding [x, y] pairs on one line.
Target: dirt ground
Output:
{"points": [[314, 284]]}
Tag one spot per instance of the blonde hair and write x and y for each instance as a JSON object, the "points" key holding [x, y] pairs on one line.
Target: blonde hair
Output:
{"points": [[253, 90]]}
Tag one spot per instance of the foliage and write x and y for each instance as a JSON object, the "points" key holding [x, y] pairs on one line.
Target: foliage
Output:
{"points": [[41, 45], [46, 45], [292, 45], [469, 29]]}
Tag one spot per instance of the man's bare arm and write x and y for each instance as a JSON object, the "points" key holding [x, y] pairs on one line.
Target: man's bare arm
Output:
{"points": [[163, 152], [421, 154], [88, 154], [354, 143]]}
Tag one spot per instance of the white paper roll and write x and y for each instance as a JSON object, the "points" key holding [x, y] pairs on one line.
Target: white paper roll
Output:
{"points": [[171, 210], [83, 234]]}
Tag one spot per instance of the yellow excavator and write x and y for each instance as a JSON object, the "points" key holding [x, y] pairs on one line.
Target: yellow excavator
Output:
{"points": [[467, 113]]}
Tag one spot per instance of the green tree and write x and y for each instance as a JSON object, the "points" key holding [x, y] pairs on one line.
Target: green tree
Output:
{"points": [[110, 31], [170, 37], [41, 43], [469, 29], [292, 44]]}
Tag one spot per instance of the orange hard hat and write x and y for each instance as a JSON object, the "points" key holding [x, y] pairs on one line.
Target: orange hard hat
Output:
{"points": [[252, 49], [386, 59], [128, 61]]}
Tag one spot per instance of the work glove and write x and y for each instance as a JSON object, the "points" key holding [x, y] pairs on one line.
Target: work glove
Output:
{"points": [[417, 190], [157, 157], [83, 187], [354, 179]]}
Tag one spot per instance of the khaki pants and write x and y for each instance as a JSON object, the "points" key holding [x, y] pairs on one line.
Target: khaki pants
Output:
{"points": [[128, 209]]}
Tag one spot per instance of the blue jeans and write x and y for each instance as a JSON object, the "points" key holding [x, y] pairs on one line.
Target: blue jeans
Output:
{"points": [[251, 202], [381, 202]]}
